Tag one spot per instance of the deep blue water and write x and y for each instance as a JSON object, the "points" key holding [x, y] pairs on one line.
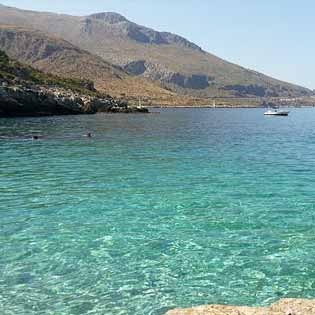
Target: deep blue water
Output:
{"points": [[181, 208]]}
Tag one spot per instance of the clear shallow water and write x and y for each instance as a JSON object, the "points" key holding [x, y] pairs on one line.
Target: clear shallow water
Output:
{"points": [[175, 209]]}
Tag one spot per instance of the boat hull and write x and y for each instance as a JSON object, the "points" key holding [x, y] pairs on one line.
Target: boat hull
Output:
{"points": [[276, 113]]}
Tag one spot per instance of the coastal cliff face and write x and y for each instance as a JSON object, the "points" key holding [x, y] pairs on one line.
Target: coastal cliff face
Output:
{"points": [[19, 100], [283, 307]]}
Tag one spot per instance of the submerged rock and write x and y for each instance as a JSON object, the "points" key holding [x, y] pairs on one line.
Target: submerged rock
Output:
{"points": [[283, 307]]}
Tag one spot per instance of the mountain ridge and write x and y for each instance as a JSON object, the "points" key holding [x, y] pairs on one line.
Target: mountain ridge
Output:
{"points": [[176, 63], [54, 55]]}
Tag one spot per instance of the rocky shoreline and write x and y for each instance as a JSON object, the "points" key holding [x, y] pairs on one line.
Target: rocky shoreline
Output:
{"points": [[283, 307], [20, 100]]}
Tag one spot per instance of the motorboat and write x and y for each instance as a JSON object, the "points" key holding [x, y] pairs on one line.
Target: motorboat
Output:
{"points": [[275, 112]]}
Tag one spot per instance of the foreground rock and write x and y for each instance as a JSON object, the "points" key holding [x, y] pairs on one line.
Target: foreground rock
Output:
{"points": [[283, 307], [19, 100]]}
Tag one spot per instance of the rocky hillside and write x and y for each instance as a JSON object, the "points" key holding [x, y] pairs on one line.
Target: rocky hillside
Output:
{"points": [[51, 54], [55, 55], [169, 59], [25, 91]]}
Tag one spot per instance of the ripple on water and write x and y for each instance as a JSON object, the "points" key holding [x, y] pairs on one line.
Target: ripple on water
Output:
{"points": [[154, 212]]}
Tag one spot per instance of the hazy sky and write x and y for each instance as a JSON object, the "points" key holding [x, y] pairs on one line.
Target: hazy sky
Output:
{"points": [[275, 37]]}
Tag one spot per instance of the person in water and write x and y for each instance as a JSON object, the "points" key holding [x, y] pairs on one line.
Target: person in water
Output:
{"points": [[35, 137], [89, 135]]}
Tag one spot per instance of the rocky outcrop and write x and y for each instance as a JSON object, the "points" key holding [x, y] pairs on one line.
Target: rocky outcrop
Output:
{"points": [[195, 81], [143, 35], [157, 72], [247, 90], [18, 100], [136, 67], [174, 39], [109, 17], [283, 307]]}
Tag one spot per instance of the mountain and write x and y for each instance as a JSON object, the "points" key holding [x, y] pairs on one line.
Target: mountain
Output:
{"points": [[54, 55], [169, 59]]}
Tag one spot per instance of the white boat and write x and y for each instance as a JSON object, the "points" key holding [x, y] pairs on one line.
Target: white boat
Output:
{"points": [[275, 112]]}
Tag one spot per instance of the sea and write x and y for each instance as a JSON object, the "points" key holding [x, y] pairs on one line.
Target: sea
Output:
{"points": [[173, 209]]}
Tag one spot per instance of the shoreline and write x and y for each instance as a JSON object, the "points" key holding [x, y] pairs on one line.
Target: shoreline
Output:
{"points": [[208, 107], [225, 107]]}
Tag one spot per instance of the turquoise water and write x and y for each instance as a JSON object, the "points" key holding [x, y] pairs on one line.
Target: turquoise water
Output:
{"points": [[181, 208]]}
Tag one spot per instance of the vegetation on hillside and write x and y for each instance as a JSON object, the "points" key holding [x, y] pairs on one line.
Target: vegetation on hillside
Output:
{"points": [[14, 71]]}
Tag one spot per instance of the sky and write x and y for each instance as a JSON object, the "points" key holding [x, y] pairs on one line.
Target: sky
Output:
{"points": [[275, 37]]}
